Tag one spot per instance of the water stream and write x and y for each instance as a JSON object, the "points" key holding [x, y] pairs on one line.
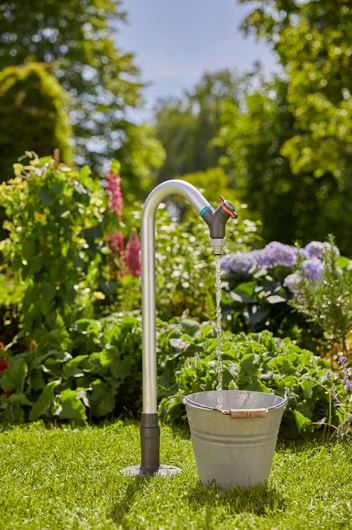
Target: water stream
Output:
{"points": [[218, 329]]}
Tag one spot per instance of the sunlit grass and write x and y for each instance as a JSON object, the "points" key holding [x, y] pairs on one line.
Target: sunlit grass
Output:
{"points": [[64, 478]]}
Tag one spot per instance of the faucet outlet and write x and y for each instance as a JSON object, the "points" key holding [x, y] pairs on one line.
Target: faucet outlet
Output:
{"points": [[218, 245]]}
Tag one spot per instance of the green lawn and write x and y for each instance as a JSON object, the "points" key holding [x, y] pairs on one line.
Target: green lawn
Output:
{"points": [[63, 478]]}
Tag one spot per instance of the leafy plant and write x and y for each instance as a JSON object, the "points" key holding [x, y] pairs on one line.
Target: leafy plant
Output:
{"points": [[88, 373], [258, 362], [185, 265], [56, 220], [324, 296]]}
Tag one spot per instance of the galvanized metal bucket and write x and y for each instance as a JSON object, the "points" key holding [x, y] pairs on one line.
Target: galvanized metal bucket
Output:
{"points": [[234, 445]]}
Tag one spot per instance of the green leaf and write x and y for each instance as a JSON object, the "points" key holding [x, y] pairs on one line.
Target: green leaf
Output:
{"points": [[35, 264], [301, 421], [108, 286], [21, 398], [85, 172], [342, 262], [72, 407], [45, 160], [71, 367], [29, 249], [275, 299], [45, 401], [179, 345], [102, 399], [36, 380], [257, 386], [259, 315], [88, 326], [307, 387], [115, 166], [48, 291], [56, 188], [13, 378], [191, 327], [46, 197], [244, 292], [250, 363]]}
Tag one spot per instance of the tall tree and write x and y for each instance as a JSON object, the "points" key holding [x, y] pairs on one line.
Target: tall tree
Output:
{"points": [[77, 39], [291, 140], [187, 126], [290, 206], [312, 40]]}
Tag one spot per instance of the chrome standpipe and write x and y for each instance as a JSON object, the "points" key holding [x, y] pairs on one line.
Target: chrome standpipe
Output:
{"points": [[216, 220]]}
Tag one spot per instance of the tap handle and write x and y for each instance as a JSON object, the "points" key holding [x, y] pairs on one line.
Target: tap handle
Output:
{"points": [[228, 207]]}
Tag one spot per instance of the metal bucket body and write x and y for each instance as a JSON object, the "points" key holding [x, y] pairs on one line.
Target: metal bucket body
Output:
{"points": [[234, 452]]}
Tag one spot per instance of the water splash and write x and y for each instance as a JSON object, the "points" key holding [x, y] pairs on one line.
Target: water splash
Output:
{"points": [[218, 330]]}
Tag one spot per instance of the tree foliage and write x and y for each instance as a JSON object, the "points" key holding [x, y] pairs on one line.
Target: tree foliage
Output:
{"points": [[290, 205], [311, 39], [32, 110], [77, 39], [290, 143], [187, 126]]}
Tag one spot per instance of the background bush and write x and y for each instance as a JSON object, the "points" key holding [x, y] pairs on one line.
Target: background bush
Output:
{"points": [[32, 94]]}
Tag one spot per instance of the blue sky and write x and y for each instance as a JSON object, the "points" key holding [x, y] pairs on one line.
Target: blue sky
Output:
{"points": [[176, 41]]}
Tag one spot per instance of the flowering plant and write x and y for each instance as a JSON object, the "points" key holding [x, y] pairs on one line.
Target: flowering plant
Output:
{"points": [[260, 284], [323, 294]]}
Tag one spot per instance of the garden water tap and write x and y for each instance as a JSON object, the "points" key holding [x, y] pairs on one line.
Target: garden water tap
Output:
{"points": [[217, 222]]}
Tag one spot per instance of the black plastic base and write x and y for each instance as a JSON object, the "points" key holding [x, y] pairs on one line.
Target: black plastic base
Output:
{"points": [[150, 451], [150, 443]]}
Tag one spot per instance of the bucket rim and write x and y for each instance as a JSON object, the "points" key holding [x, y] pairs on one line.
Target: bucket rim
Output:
{"points": [[237, 413]]}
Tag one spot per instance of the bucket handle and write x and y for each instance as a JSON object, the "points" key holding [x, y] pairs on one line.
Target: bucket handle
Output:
{"points": [[238, 413]]}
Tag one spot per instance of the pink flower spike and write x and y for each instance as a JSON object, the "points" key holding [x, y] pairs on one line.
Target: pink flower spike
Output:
{"points": [[115, 240], [113, 189], [133, 255]]}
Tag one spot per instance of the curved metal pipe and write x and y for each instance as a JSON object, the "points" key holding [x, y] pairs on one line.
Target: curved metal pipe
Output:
{"points": [[170, 187]]}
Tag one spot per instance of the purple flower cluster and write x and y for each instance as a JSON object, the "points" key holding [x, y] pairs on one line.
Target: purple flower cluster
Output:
{"points": [[347, 379], [274, 253], [278, 254], [315, 249], [313, 269], [240, 262]]}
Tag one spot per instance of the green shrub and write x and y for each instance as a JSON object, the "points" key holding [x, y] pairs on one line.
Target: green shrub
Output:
{"points": [[91, 372], [258, 362], [94, 370], [33, 116], [56, 227]]}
